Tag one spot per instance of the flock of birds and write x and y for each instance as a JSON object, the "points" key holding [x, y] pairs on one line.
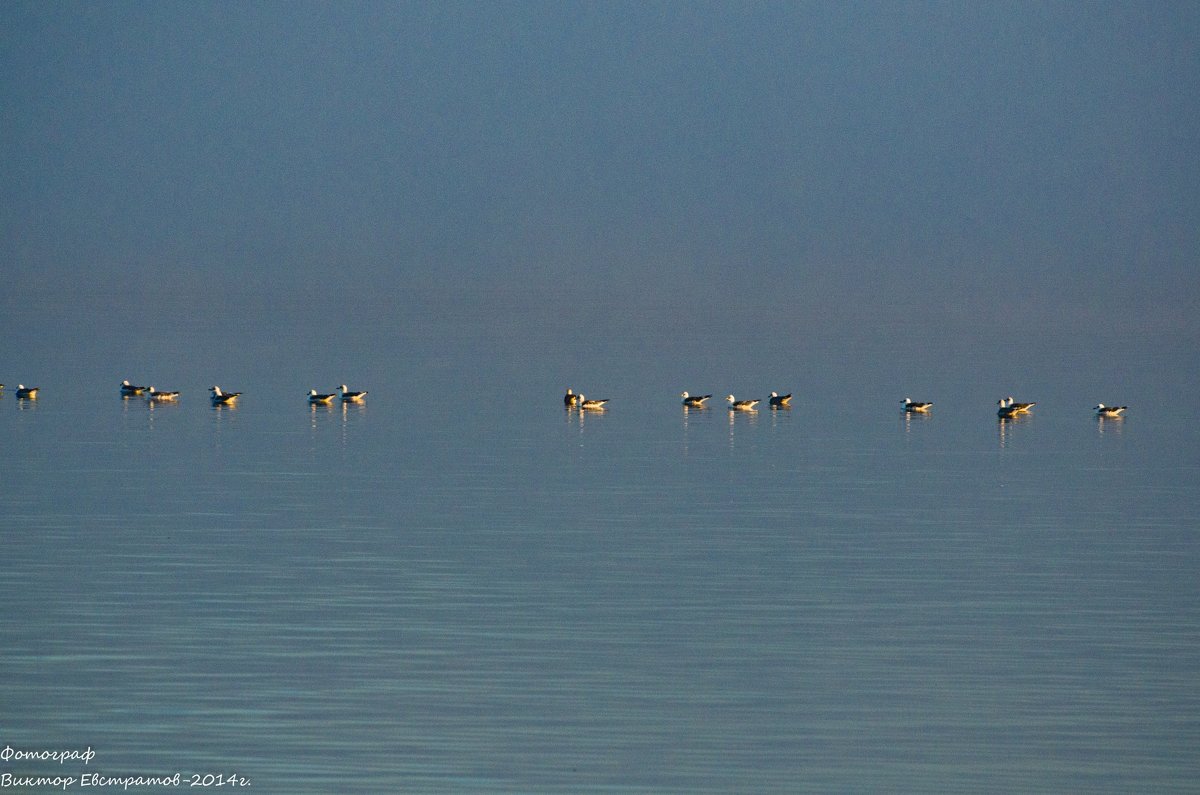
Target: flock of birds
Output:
{"points": [[218, 396], [1008, 407], [574, 401]]}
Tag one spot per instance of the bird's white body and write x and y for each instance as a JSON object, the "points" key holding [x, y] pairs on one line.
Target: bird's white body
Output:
{"points": [[220, 398], [352, 397], [161, 397], [742, 405]]}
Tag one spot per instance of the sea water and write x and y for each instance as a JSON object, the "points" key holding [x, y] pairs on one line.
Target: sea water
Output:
{"points": [[462, 586]]}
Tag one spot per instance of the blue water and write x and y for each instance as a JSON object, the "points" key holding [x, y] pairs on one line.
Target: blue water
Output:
{"points": [[461, 587]]}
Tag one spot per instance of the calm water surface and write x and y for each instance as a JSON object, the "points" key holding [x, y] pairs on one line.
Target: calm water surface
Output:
{"points": [[460, 587]]}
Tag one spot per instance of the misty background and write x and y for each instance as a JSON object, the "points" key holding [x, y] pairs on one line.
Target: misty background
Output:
{"points": [[944, 199]]}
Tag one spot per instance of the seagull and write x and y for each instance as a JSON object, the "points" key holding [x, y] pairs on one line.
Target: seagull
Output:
{"points": [[1109, 411], [1009, 408], [910, 405], [593, 405], [220, 398], [352, 397], [155, 395], [315, 398], [694, 401], [780, 401], [27, 392], [742, 405], [570, 399], [1019, 408], [128, 389]]}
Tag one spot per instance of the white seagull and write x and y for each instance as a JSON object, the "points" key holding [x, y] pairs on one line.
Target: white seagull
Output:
{"points": [[220, 398], [160, 397], [596, 404], [694, 401], [1109, 411], [316, 398], [27, 392], [742, 405], [911, 405], [779, 401], [1019, 408], [128, 389], [352, 397]]}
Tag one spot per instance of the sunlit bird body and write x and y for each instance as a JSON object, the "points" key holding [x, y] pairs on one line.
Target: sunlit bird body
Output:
{"points": [[1010, 408], [128, 389], [27, 392], [780, 401], [596, 404], [220, 398], [1019, 408], [915, 406], [353, 397], [319, 399], [570, 399], [742, 405], [694, 401], [155, 396], [1109, 411]]}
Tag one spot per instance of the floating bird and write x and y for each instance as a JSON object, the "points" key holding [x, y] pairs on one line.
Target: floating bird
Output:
{"points": [[220, 398], [313, 397], [27, 392], [1010, 408], [570, 399], [694, 401], [592, 405], [160, 397], [1109, 411], [1019, 408], [780, 401], [742, 405], [910, 405], [352, 397]]}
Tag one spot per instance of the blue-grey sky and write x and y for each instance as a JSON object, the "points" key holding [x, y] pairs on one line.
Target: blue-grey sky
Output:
{"points": [[933, 150]]}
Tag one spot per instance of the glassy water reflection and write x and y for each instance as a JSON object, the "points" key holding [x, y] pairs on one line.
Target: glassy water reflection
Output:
{"points": [[430, 595]]}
